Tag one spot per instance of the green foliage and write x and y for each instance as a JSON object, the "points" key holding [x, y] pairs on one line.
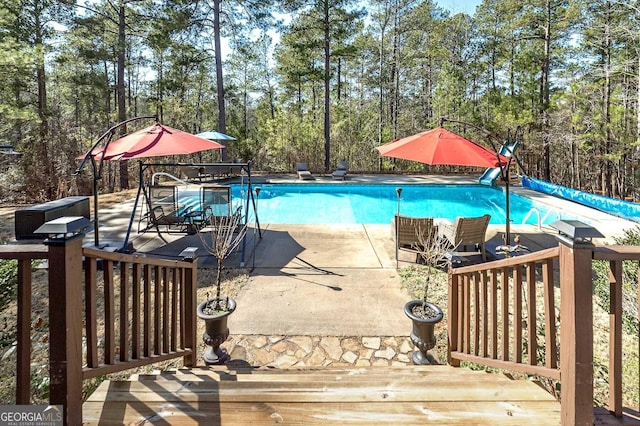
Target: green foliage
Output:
{"points": [[8, 281]]}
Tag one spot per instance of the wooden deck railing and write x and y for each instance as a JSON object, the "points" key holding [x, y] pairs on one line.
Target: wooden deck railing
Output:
{"points": [[498, 310], [494, 314], [616, 255], [149, 315]]}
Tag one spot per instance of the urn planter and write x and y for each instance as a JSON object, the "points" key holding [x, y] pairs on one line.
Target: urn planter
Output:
{"points": [[216, 329], [422, 333]]}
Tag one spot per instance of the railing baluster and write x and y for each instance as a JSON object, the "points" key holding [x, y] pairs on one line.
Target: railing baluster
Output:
{"points": [[135, 310], [157, 308], [146, 297], [517, 313], [109, 313], [467, 311], [494, 313], [485, 313], [476, 313], [124, 311], [91, 310], [551, 350], [182, 292], [174, 309], [505, 314], [166, 287], [461, 313], [23, 351], [615, 337], [532, 317]]}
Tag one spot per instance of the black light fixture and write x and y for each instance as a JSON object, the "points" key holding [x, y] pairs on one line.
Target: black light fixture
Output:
{"points": [[189, 254], [575, 232]]}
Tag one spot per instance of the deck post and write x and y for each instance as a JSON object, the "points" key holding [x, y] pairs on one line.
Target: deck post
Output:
{"points": [[576, 330], [452, 323], [65, 322], [190, 254]]}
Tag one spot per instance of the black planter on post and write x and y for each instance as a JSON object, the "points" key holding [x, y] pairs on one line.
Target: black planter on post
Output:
{"points": [[422, 334], [216, 331]]}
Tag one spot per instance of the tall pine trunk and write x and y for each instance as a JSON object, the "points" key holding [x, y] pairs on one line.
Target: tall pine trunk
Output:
{"points": [[120, 91], [222, 125], [327, 98]]}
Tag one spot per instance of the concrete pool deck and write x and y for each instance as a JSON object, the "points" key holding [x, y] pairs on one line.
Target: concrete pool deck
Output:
{"points": [[329, 294]]}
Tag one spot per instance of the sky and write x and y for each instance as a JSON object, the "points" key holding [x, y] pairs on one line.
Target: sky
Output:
{"points": [[459, 6]]}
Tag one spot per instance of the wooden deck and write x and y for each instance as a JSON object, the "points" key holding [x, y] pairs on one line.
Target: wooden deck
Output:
{"points": [[372, 395]]}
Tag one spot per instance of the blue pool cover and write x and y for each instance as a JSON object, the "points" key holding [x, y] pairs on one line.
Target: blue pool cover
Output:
{"points": [[615, 207]]}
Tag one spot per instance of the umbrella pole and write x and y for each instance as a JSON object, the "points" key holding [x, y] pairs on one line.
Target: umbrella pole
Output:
{"points": [[97, 172], [508, 219], [135, 207], [399, 192], [96, 178]]}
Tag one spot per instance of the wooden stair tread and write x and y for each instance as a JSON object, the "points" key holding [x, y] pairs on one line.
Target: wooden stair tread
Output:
{"points": [[233, 413], [301, 375], [380, 395], [320, 391]]}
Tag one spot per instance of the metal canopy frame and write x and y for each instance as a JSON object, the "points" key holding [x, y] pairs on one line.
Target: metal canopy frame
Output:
{"points": [[142, 191]]}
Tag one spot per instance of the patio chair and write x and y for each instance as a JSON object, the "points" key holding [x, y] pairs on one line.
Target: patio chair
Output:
{"points": [[466, 231], [216, 202], [165, 211], [303, 172], [412, 232], [341, 170]]}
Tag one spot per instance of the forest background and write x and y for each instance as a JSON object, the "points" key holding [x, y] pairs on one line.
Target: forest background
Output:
{"points": [[344, 77]]}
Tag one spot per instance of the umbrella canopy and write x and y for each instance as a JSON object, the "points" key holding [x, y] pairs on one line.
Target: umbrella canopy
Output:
{"points": [[155, 141], [212, 135], [441, 146]]}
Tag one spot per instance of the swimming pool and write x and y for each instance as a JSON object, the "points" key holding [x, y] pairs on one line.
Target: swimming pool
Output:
{"points": [[350, 203]]}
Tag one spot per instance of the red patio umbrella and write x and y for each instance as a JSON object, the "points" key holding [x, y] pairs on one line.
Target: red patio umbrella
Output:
{"points": [[441, 146], [155, 141]]}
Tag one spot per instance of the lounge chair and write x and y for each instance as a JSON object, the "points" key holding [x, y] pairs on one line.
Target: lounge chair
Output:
{"points": [[303, 172], [466, 231], [191, 172], [341, 171]]}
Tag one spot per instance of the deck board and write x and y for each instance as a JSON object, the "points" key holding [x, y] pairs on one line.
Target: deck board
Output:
{"points": [[389, 395], [235, 413]]}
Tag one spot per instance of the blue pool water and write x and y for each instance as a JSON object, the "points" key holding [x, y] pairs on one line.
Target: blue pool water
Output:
{"points": [[377, 203]]}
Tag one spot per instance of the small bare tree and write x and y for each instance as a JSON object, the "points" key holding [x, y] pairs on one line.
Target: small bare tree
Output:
{"points": [[220, 237], [432, 247]]}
